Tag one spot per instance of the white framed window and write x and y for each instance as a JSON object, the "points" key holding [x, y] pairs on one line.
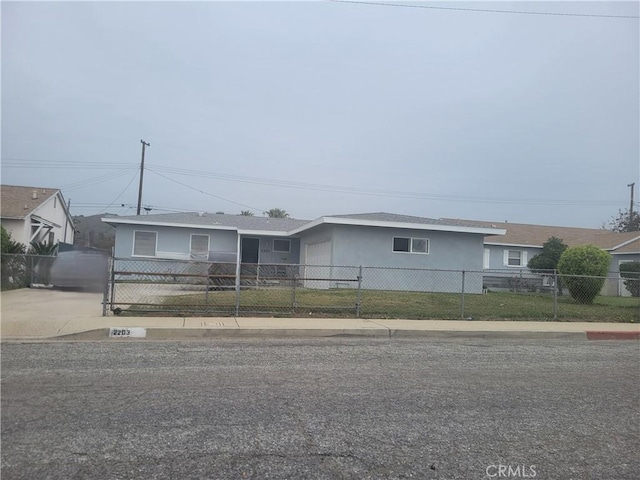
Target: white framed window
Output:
{"points": [[281, 246], [410, 245], [199, 247], [515, 258], [145, 244], [487, 258]]}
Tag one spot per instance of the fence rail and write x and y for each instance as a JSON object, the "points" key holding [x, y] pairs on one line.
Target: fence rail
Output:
{"points": [[189, 288]]}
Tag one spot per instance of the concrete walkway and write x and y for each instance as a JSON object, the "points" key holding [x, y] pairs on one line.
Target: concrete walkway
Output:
{"points": [[44, 314]]}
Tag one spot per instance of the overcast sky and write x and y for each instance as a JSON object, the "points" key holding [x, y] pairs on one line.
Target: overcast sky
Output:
{"points": [[323, 108]]}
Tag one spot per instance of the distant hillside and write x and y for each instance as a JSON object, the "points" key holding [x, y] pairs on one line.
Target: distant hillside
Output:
{"points": [[92, 232]]}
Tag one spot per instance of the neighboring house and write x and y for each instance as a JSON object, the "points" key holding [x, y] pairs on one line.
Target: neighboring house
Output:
{"points": [[522, 242], [35, 214], [375, 239]]}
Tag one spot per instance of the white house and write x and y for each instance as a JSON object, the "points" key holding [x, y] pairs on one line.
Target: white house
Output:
{"points": [[35, 214]]}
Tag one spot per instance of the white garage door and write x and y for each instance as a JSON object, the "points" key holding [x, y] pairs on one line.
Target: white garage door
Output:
{"points": [[317, 261]]}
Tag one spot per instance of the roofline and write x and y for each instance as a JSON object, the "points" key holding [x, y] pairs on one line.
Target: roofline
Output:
{"points": [[264, 233], [388, 224], [56, 191], [626, 243], [150, 223]]}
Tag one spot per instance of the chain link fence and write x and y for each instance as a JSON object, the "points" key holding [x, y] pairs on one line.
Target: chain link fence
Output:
{"points": [[21, 271], [195, 288]]}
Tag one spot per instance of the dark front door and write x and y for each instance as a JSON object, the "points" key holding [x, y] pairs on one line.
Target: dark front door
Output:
{"points": [[250, 250], [249, 260]]}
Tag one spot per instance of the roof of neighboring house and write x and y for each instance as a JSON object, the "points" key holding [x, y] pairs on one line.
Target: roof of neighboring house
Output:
{"points": [[211, 220], [535, 235], [17, 202], [290, 226]]}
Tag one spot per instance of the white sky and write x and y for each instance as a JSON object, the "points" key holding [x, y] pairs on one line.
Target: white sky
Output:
{"points": [[428, 112]]}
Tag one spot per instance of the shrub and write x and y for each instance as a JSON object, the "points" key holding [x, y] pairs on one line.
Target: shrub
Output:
{"points": [[631, 273], [583, 269]]}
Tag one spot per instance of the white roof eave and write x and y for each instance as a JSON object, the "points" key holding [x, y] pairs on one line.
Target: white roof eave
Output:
{"points": [[403, 225]]}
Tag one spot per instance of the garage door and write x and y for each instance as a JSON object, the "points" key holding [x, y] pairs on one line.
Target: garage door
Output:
{"points": [[317, 265]]}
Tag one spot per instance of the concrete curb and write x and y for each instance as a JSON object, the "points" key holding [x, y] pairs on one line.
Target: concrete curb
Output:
{"points": [[178, 334]]}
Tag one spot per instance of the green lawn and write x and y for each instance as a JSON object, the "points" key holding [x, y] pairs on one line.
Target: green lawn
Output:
{"points": [[391, 304]]}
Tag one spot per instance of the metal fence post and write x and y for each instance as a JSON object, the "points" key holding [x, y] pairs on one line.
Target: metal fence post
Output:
{"points": [[206, 291], [112, 281], [105, 291], [555, 294], [462, 297], [359, 294], [294, 281]]}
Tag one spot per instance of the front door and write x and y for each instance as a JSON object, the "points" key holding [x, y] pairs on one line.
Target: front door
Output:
{"points": [[249, 256]]}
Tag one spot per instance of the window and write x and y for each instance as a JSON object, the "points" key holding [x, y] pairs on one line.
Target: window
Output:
{"points": [[410, 245], [282, 246], [144, 244], [515, 258], [199, 247]]}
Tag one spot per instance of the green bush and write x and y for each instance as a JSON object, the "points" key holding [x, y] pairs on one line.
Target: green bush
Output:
{"points": [[583, 269], [631, 273]]}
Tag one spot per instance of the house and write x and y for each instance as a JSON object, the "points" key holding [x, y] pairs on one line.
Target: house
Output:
{"points": [[321, 245], [521, 242], [35, 214]]}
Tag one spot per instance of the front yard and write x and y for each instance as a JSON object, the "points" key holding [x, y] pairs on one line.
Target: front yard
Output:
{"points": [[392, 304]]}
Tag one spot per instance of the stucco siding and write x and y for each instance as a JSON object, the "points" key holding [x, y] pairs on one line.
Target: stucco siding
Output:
{"points": [[497, 256], [173, 242], [372, 246], [17, 229]]}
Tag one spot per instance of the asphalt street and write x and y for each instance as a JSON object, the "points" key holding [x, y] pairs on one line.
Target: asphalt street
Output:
{"points": [[350, 408]]}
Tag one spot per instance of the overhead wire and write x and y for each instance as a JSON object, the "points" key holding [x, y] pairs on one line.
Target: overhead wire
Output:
{"points": [[377, 192], [206, 193], [121, 193], [486, 10]]}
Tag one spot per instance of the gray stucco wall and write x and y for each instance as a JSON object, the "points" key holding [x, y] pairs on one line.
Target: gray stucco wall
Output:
{"points": [[496, 256], [268, 256], [373, 247], [173, 242]]}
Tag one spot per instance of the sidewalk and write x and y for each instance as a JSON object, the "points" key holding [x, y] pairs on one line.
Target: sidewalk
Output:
{"points": [[30, 316]]}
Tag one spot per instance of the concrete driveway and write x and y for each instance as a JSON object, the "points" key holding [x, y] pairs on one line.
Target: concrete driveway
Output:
{"points": [[43, 312]]}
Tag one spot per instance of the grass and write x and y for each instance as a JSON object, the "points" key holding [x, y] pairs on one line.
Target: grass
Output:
{"points": [[392, 304]]}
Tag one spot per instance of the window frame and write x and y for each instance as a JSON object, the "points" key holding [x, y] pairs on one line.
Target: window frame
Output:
{"points": [[274, 250], [155, 247], [411, 249], [206, 253], [522, 259]]}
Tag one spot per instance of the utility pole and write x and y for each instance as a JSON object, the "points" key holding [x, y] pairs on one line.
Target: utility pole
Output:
{"points": [[631, 204], [144, 144]]}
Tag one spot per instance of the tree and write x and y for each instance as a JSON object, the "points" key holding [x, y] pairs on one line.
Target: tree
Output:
{"points": [[549, 257], [277, 213], [622, 223], [246, 213], [630, 271], [583, 269]]}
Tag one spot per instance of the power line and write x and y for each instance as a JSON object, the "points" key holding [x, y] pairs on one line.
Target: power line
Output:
{"points": [[205, 193], [375, 192], [485, 10], [93, 180], [121, 193]]}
